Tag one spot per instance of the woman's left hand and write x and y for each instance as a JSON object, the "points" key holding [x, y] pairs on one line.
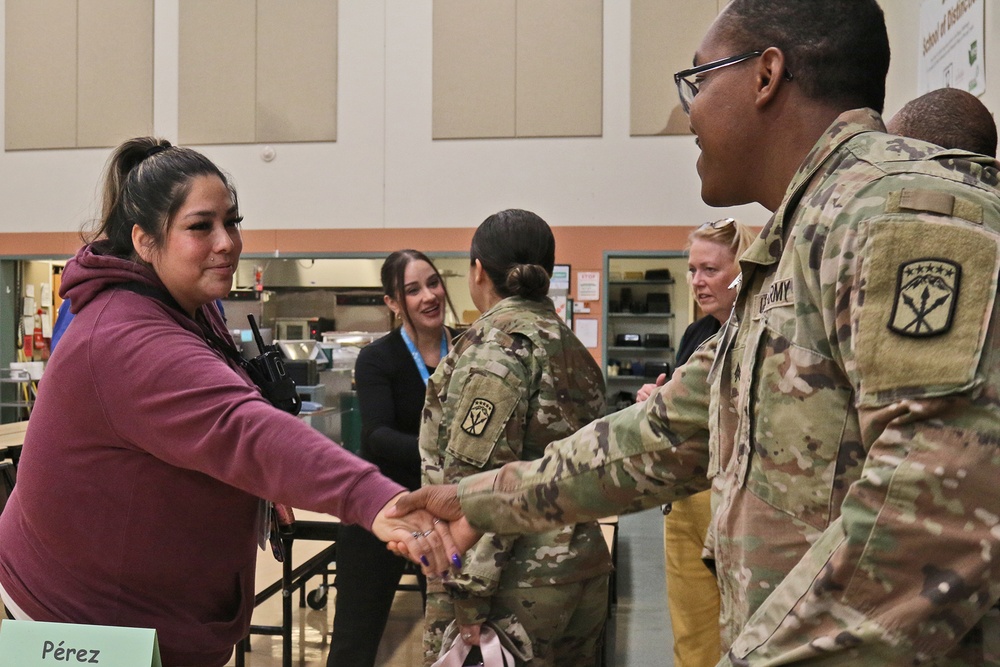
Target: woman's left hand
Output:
{"points": [[426, 539], [646, 390], [470, 633]]}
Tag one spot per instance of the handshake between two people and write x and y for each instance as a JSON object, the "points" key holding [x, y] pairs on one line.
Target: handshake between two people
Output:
{"points": [[428, 527]]}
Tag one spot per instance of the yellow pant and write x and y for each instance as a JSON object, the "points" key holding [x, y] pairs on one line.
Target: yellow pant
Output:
{"points": [[692, 592]]}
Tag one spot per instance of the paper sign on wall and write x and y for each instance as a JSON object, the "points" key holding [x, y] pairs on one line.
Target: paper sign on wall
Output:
{"points": [[951, 48], [560, 278], [560, 303], [35, 644], [588, 286], [586, 330]]}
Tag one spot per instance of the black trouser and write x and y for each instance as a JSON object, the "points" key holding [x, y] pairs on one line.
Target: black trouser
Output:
{"points": [[367, 577]]}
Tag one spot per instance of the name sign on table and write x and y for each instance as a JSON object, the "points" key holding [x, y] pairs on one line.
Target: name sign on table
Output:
{"points": [[36, 644]]}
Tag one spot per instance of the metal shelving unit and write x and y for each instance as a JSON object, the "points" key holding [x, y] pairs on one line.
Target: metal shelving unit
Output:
{"points": [[629, 297], [17, 382]]}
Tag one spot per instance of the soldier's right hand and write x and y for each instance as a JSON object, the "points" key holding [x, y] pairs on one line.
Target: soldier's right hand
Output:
{"points": [[441, 500]]}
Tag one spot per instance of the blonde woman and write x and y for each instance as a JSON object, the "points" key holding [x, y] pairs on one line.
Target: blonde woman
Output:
{"points": [[692, 592]]}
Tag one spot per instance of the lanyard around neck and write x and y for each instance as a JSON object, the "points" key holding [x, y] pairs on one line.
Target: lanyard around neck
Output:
{"points": [[415, 353]]}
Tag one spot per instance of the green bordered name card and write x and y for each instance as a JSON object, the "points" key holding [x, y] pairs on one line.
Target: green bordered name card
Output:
{"points": [[36, 644]]}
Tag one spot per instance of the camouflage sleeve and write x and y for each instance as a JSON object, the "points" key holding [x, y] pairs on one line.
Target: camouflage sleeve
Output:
{"points": [[486, 433], [645, 455], [910, 567]]}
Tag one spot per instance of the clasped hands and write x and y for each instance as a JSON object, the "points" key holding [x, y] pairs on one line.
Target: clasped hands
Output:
{"points": [[428, 527]]}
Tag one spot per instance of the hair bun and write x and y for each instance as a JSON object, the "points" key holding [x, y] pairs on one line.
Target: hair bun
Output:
{"points": [[530, 281]]}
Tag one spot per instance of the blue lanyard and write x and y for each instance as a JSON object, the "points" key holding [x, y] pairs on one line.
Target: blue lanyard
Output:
{"points": [[417, 359]]}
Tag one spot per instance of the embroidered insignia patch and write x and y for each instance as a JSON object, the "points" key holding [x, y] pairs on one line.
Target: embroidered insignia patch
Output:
{"points": [[926, 295], [477, 418]]}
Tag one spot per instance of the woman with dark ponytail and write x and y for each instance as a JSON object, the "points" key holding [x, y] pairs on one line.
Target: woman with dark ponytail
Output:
{"points": [[391, 376], [517, 380], [151, 453]]}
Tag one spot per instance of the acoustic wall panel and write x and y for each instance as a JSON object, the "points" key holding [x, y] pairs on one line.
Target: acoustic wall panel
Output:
{"points": [[40, 70], [296, 70], [115, 61], [665, 35], [217, 76], [559, 67], [474, 69]]}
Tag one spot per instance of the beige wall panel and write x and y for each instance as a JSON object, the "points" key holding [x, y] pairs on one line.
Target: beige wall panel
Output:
{"points": [[40, 69], [473, 72], [115, 95], [665, 35], [217, 72], [559, 67], [296, 70]]}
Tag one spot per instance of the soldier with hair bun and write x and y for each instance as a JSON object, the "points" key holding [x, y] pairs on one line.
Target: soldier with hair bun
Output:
{"points": [[516, 380]]}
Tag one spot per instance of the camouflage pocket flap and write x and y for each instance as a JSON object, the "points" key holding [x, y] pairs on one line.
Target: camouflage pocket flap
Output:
{"points": [[481, 418]]}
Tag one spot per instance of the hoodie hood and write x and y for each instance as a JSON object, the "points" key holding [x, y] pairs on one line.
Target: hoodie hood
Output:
{"points": [[90, 273]]}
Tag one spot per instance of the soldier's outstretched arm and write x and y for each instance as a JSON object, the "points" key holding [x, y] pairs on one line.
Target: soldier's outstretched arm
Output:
{"points": [[640, 457]]}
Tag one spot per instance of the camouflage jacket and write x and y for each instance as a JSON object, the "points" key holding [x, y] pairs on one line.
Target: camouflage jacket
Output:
{"points": [[854, 418], [514, 382]]}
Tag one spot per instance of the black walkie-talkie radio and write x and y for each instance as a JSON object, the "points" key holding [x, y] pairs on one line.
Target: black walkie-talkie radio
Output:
{"points": [[267, 370]]}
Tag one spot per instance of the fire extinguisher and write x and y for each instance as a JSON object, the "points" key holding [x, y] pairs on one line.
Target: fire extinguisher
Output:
{"points": [[41, 345], [27, 343]]}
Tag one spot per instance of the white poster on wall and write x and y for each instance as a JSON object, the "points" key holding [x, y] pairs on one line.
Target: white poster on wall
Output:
{"points": [[951, 46], [585, 329], [588, 286]]}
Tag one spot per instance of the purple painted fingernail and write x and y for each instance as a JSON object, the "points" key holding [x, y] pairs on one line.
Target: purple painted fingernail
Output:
{"points": [[457, 560], [423, 559]]}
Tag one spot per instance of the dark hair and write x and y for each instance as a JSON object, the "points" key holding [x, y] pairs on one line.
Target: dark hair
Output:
{"points": [[950, 118], [145, 183], [517, 251], [394, 280], [837, 50]]}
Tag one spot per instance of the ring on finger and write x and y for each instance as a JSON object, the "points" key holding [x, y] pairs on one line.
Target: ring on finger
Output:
{"points": [[427, 532], [415, 534], [436, 521]]}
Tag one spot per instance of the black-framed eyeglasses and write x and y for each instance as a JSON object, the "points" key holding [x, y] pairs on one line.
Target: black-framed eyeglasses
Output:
{"points": [[687, 89]]}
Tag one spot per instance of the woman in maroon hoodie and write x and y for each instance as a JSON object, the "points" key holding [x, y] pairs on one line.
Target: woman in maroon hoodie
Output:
{"points": [[150, 449]]}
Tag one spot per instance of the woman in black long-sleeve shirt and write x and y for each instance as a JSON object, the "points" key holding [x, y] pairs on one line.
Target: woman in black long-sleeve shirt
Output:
{"points": [[391, 376]]}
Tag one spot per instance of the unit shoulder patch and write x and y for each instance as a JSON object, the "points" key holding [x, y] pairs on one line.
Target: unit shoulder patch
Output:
{"points": [[481, 416], [927, 291], [478, 417], [921, 307]]}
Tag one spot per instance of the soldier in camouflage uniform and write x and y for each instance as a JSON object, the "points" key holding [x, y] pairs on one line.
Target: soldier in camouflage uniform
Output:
{"points": [[517, 380], [852, 429]]}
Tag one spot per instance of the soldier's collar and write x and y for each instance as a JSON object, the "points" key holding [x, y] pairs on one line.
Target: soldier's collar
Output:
{"points": [[768, 246]]}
